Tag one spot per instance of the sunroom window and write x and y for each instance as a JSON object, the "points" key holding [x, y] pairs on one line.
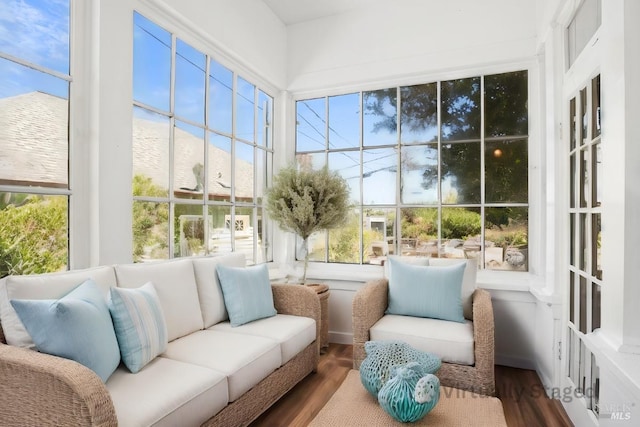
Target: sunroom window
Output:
{"points": [[434, 169], [202, 151]]}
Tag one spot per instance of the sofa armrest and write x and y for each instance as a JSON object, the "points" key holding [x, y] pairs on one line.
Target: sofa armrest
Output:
{"points": [[369, 305], [483, 331], [40, 389], [297, 300]]}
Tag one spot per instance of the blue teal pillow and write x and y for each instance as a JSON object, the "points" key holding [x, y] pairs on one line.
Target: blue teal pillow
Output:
{"points": [[139, 324], [247, 293], [426, 291], [77, 327]]}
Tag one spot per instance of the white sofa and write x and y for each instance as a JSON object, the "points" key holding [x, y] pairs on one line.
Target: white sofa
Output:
{"points": [[210, 374]]}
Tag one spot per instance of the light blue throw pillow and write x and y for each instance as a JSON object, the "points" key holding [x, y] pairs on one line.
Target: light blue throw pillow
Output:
{"points": [[139, 324], [247, 293], [77, 327], [426, 291]]}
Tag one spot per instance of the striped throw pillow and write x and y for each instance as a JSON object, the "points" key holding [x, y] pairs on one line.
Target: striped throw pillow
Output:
{"points": [[139, 324]]}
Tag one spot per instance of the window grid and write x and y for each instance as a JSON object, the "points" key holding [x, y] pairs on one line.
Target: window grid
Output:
{"points": [[258, 234], [305, 150]]}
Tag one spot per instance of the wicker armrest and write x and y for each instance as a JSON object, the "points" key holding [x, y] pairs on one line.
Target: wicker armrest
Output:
{"points": [[297, 300], [483, 332], [369, 305], [39, 389]]}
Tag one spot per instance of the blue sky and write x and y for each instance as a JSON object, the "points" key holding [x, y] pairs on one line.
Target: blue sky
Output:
{"points": [[36, 31]]}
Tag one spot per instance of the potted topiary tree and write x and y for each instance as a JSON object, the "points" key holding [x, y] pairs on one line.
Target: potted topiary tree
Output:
{"points": [[305, 201]]}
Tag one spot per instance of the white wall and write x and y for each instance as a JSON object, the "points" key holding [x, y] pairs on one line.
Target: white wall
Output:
{"points": [[246, 30], [390, 40]]}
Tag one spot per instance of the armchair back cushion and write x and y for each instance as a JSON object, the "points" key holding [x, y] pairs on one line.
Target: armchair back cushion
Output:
{"points": [[468, 281], [426, 291]]}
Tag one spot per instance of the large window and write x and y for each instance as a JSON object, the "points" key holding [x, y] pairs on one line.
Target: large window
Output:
{"points": [[436, 169], [34, 135], [202, 151]]}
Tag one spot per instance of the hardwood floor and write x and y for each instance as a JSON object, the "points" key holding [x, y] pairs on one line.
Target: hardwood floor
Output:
{"points": [[523, 399]]}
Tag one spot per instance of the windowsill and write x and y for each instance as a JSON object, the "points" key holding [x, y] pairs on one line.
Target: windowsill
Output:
{"points": [[486, 279]]}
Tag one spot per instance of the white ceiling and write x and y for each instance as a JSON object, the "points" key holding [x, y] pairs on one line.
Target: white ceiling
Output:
{"points": [[296, 11]]}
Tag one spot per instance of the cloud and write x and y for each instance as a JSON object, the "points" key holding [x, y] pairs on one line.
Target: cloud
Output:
{"points": [[37, 31]]}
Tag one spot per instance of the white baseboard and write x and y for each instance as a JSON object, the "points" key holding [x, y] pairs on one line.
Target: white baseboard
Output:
{"points": [[341, 337], [514, 362]]}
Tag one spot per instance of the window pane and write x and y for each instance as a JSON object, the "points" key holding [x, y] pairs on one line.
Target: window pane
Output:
{"points": [[189, 230], [243, 183], [506, 238], [265, 118], [311, 126], [572, 239], [378, 236], [189, 85], [461, 173], [596, 246], [33, 152], [573, 130], [419, 228], [188, 161], [150, 231], [584, 113], [344, 242], [33, 233], [150, 153], [219, 229], [265, 237], [317, 247], [263, 170], [380, 120], [572, 297], [37, 32], [244, 233], [379, 176], [347, 164], [583, 247], [583, 305], [245, 111], [151, 63], [506, 171], [596, 171], [419, 174], [572, 180], [344, 121], [219, 165], [460, 231], [596, 126], [460, 113], [314, 161], [419, 118], [220, 97], [505, 104], [595, 306]]}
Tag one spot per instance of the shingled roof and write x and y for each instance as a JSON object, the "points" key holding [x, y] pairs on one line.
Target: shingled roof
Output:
{"points": [[33, 150]]}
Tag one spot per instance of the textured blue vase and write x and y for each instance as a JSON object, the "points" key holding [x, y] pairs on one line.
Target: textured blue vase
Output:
{"points": [[408, 396], [382, 356]]}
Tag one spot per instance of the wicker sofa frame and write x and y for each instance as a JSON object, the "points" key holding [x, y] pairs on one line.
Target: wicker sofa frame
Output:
{"points": [[40, 389], [369, 305]]}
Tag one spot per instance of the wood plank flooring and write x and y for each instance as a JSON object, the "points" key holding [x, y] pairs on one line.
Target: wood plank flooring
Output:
{"points": [[523, 399]]}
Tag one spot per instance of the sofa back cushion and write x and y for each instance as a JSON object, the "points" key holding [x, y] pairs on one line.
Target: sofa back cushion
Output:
{"points": [[43, 286], [175, 284], [209, 290]]}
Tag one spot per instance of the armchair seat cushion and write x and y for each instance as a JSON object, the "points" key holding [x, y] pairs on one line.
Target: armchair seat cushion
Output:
{"points": [[452, 341]]}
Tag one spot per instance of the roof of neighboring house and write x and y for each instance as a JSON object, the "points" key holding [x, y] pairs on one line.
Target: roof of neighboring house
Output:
{"points": [[33, 150]]}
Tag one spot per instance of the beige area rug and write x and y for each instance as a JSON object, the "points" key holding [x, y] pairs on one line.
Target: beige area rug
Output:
{"points": [[353, 406]]}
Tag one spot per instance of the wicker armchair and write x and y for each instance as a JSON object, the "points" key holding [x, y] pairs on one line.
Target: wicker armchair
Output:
{"points": [[369, 305]]}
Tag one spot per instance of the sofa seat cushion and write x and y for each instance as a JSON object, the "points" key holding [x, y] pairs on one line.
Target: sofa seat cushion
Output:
{"points": [[167, 393], [43, 286], [452, 341], [293, 333], [175, 284], [244, 359]]}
